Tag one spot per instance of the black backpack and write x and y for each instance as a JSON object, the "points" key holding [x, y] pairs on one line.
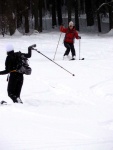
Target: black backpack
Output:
{"points": [[21, 64]]}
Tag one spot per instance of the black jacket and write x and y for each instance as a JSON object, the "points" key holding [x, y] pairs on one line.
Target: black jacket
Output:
{"points": [[9, 63]]}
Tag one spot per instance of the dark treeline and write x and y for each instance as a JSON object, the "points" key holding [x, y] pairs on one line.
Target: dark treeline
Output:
{"points": [[21, 14]]}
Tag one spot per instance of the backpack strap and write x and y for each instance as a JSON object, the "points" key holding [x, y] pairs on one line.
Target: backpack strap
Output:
{"points": [[13, 71]]}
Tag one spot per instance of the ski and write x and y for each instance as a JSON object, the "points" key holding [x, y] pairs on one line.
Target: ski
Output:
{"points": [[3, 102], [82, 59], [76, 59], [73, 59]]}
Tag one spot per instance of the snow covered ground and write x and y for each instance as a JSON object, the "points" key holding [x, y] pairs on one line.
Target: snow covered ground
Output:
{"points": [[60, 111]]}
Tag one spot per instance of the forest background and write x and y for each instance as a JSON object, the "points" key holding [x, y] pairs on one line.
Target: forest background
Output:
{"points": [[38, 15]]}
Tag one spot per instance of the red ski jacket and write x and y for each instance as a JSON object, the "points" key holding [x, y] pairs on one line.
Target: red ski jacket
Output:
{"points": [[70, 35]]}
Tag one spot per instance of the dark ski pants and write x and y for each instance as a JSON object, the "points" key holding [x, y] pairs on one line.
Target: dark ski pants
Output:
{"points": [[69, 46], [15, 83]]}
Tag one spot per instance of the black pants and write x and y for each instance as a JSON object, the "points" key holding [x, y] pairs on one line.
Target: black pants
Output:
{"points": [[69, 46], [15, 83]]}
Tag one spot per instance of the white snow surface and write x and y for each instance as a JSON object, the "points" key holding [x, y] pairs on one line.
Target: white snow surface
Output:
{"points": [[60, 111]]}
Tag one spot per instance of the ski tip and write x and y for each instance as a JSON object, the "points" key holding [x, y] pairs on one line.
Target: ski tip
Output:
{"points": [[82, 59], [73, 74], [72, 59], [3, 102]]}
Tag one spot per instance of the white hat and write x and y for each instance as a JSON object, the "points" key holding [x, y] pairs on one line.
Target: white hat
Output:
{"points": [[71, 23], [9, 48]]}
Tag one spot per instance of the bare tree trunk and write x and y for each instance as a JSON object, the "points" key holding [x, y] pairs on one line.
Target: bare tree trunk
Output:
{"points": [[26, 22], [18, 13], [25, 10], [54, 22], [10, 16], [35, 13], [89, 13], [76, 15], [82, 6], [2, 19], [40, 15], [59, 12], [69, 5]]}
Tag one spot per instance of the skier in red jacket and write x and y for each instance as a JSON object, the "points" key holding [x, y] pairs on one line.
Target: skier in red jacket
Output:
{"points": [[70, 35]]}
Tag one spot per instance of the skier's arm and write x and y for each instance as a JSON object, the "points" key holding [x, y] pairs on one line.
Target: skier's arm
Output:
{"points": [[28, 55], [77, 36], [6, 71], [63, 29]]}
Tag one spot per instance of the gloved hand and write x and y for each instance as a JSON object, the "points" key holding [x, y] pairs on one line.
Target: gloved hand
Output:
{"points": [[62, 25], [79, 37], [32, 47]]}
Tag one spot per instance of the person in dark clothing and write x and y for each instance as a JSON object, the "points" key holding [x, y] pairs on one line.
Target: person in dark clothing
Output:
{"points": [[15, 79], [70, 35]]}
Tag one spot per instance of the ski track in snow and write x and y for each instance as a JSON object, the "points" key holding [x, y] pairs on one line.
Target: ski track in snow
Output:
{"points": [[60, 112]]}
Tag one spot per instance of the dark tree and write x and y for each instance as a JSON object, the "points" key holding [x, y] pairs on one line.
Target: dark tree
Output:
{"points": [[19, 12], [35, 13], [82, 6], [40, 15], [26, 7], [69, 6], [99, 2], [10, 16], [89, 12], [2, 16], [2, 6], [76, 15], [53, 4], [59, 11]]}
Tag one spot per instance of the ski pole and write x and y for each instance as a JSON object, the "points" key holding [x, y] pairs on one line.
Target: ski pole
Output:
{"points": [[54, 62], [80, 50], [57, 46]]}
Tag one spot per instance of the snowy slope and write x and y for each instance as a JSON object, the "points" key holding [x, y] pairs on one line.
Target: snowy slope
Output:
{"points": [[60, 112]]}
